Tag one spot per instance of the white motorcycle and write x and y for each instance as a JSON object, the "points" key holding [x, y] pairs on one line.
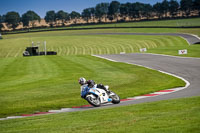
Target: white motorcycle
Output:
{"points": [[96, 96]]}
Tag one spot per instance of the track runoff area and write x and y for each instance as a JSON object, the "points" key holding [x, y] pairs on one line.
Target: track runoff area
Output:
{"points": [[171, 65]]}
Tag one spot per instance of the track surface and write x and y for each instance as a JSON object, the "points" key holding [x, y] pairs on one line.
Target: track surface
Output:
{"points": [[191, 39], [187, 68]]}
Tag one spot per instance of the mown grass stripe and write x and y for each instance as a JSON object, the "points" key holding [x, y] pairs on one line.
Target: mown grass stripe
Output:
{"points": [[152, 43], [109, 44], [19, 52], [131, 47], [67, 50]]}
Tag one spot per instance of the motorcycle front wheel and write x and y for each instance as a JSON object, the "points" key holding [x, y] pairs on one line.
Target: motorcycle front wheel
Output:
{"points": [[115, 99], [94, 101]]}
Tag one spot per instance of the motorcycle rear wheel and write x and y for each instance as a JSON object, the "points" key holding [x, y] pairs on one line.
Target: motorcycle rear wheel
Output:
{"points": [[94, 101]]}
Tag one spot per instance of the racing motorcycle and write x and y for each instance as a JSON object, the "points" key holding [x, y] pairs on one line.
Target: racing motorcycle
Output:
{"points": [[96, 96]]}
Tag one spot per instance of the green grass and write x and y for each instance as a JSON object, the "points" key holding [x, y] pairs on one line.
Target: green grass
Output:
{"points": [[42, 83], [171, 116], [69, 43]]}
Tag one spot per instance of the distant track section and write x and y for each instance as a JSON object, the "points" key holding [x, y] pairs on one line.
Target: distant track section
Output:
{"points": [[191, 39]]}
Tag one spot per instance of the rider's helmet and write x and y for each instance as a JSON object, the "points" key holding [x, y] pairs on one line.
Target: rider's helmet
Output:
{"points": [[82, 81], [90, 83]]}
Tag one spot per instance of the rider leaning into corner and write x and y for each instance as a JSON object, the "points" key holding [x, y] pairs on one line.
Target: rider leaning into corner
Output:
{"points": [[87, 84]]}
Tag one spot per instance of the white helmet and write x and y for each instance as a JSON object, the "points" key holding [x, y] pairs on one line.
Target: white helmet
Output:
{"points": [[82, 81]]}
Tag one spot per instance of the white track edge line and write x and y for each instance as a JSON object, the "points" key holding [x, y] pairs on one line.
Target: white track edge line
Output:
{"points": [[184, 39], [192, 35]]}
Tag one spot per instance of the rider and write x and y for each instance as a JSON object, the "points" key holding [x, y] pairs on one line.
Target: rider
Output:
{"points": [[86, 85]]}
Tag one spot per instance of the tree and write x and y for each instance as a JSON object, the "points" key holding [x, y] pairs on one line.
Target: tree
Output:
{"points": [[50, 17], [63, 16], [30, 16], [147, 10], [158, 9], [75, 15], [101, 10], [104, 8], [86, 14], [186, 6], [136, 10], [129, 8], [196, 5], [92, 10], [123, 11], [173, 7], [113, 10], [12, 18], [165, 7], [67, 16], [1, 26], [3, 18]]}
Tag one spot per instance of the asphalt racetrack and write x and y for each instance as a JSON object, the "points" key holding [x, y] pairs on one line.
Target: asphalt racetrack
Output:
{"points": [[187, 68], [191, 39]]}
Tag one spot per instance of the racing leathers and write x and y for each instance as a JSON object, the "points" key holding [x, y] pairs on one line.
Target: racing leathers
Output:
{"points": [[86, 87], [84, 90]]}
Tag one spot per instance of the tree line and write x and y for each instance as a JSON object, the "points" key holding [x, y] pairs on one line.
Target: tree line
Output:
{"points": [[108, 11]]}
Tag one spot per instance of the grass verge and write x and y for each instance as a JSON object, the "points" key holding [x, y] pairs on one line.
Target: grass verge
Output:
{"points": [[66, 43], [178, 115]]}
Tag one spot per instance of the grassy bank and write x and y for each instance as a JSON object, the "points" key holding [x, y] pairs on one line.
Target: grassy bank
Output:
{"points": [[43, 83], [76, 43], [180, 115]]}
